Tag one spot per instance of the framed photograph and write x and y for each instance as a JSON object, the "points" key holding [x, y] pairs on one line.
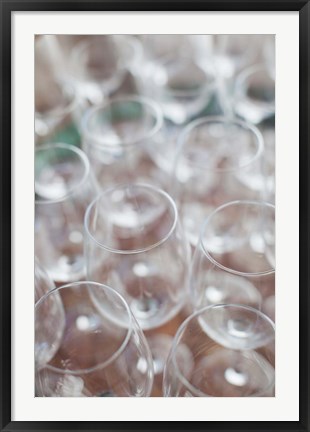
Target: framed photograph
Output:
{"points": [[154, 173]]}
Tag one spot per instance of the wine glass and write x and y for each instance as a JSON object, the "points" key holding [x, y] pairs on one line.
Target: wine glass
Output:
{"points": [[134, 243], [99, 64], [219, 159], [102, 351], [181, 83], [234, 260], [254, 98], [57, 106], [64, 187], [224, 350], [121, 139], [231, 53]]}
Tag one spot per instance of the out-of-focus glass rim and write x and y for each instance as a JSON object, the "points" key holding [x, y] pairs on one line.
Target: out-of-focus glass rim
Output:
{"points": [[205, 250], [182, 328]]}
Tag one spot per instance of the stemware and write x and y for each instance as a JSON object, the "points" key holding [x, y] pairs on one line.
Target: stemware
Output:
{"points": [[254, 98], [231, 53], [222, 350], [178, 75], [234, 260], [135, 244], [121, 139], [57, 106], [218, 159], [99, 64], [64, 188], [102, 352]]}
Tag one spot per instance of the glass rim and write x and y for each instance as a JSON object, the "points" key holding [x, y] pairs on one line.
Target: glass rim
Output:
{"points": [[80, 45], [144, 101], [83, 157], [242, 78], [215, 262], [193, 316], [206, 87], [124, 186], [250, 70], [119, 350], [206, 120]]}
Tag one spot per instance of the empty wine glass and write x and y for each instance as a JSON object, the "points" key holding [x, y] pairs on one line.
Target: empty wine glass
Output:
{"points": [[222, 350], [254, 98], [64, 188], [102, 351], [181, 84], [231, 53], [42, 281], [57, 107], [218, 160], [234, 260], [119, 138], [135, 244], [99, 64]]}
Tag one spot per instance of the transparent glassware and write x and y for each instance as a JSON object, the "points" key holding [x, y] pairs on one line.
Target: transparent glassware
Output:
{"points": [[102, 351], [99, 64], [177, 75], [42, 281], [181, 85], [254, 98], [219, 159], [122, 139], [232, 53], [222, 350], [134, 243], [57, 106], [64, 187], [234, 261]]}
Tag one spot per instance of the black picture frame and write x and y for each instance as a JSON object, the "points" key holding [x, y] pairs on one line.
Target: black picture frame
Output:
{"points": [[6, 9]]}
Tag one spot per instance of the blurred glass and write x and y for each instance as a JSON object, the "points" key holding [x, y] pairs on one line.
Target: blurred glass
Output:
{"points": [[64, 187], [178, 75], [254, 98], [57, 107], [98, 64], [218, 160], [121, 138]]}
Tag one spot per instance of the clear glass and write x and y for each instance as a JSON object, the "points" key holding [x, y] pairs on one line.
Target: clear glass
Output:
{"points": [[102, 351], [134, 243], [119, 138], [254, 98], [234, 261], [57, 107], [177, 75], [42, 281], [234, 52], [64, 187], [218, 160], [99, 64], [222, 350]]}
